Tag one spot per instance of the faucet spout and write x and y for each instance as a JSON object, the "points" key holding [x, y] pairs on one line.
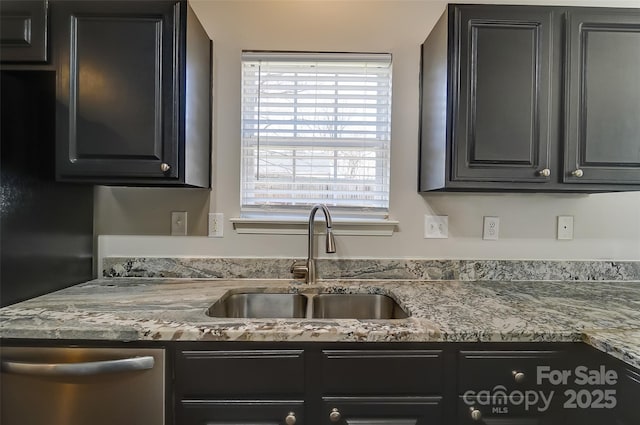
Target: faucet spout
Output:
{"points": [[308, 270]]}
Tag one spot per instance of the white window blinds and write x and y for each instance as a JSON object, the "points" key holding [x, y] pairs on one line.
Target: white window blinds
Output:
{"points": [[316, 128]]}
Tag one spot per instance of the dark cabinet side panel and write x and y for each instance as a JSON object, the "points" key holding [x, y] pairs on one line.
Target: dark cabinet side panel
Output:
{"points": [[23, 31], [501, 130], [603, 100]]}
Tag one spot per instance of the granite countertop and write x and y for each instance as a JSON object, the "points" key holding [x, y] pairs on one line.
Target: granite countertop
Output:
{"points": [[605, 315]]}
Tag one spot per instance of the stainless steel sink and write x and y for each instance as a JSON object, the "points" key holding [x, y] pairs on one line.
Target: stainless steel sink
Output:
{"points": [[356, 306], [259, 305]]}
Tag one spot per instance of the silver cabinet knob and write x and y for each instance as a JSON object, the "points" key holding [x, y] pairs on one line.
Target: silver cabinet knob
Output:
{"points": [[518, 376], [335, 415], [164, 167], [577, 173], [290, 419], [544, 172], [476, 415]]}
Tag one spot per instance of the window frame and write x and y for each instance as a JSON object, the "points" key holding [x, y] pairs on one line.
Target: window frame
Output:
{"points": [[266, 212]]}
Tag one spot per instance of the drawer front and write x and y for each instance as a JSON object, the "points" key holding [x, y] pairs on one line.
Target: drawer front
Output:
{"points": [[545, 407], [236, 373], [476, 411], [483, 370], [381, 411], [255, 412], [361, 372]]}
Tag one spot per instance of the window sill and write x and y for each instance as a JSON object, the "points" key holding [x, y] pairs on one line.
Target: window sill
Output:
{"points": [[289, 226]]}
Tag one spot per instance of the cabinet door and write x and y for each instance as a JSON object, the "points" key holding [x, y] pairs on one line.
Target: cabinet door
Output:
{"points": [[227, 412], [502, 108], [381, 411], [603, 97], [117, 91], [23, 31]]}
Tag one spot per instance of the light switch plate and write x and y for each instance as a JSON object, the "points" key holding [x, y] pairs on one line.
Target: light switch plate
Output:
{"points": [[178, 223], [436, 226], [565, 227], [216, 225]]}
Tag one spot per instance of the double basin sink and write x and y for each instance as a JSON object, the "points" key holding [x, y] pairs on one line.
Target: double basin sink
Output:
{"points": [[260, 305]]}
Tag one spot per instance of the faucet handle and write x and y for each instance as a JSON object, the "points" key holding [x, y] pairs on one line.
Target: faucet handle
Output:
{"points": [[299, 269]]}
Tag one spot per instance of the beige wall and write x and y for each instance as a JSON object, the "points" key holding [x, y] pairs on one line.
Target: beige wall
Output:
{"points": [[607, 226]]}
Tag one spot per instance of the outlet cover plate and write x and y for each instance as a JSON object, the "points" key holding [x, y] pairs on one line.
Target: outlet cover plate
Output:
{"points": [[565, 227], [491, 228], [436, 226]]}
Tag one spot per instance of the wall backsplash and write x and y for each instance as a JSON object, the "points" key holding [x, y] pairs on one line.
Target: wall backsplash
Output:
{"points": [[410, 269]]}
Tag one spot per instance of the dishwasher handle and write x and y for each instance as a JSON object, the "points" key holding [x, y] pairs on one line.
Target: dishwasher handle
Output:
{"points": [[78, 369]]}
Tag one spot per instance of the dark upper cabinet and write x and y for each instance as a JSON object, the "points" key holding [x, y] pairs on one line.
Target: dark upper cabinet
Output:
{"points": [[501, 117], [497, 83], [133, 93], [603, 97], [23, 31]]}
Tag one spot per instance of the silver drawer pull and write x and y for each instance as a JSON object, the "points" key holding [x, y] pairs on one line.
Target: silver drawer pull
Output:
{"points": [[476, 415], [335, 415], [78, 369], [290, 419], [518, 376]]}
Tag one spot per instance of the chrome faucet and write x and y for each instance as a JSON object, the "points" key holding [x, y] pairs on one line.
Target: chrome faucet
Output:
{"points": [[308, 269]]}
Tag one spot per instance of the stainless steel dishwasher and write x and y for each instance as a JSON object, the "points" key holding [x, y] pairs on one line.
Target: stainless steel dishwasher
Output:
{"points": [[81, 386]]}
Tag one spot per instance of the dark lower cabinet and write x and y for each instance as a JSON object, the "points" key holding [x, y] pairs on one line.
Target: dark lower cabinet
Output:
{"points": [[402, 384], [557, 385], [528, 98], [225, 384], [134, 93], [23, 31]]}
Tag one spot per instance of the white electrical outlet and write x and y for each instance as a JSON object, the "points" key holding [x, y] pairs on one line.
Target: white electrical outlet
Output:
{"points": [[565, 227], [436, 226], [491, 229], [216, 224], [179, 223]]}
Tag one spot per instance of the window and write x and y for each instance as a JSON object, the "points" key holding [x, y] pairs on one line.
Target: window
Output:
{"points": [[316, 128]]}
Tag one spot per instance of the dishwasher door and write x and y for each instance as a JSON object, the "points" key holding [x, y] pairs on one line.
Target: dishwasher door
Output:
{"points": [[82, 386]]}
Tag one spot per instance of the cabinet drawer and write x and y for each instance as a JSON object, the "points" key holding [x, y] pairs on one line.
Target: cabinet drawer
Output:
{"points": [[382, 372], [482, 370], [255, 412], [381, 411], [229, 373], [545, 407]]}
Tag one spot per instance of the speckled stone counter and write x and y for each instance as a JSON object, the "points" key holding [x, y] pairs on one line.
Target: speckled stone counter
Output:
{"points": [[605, 315]]}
